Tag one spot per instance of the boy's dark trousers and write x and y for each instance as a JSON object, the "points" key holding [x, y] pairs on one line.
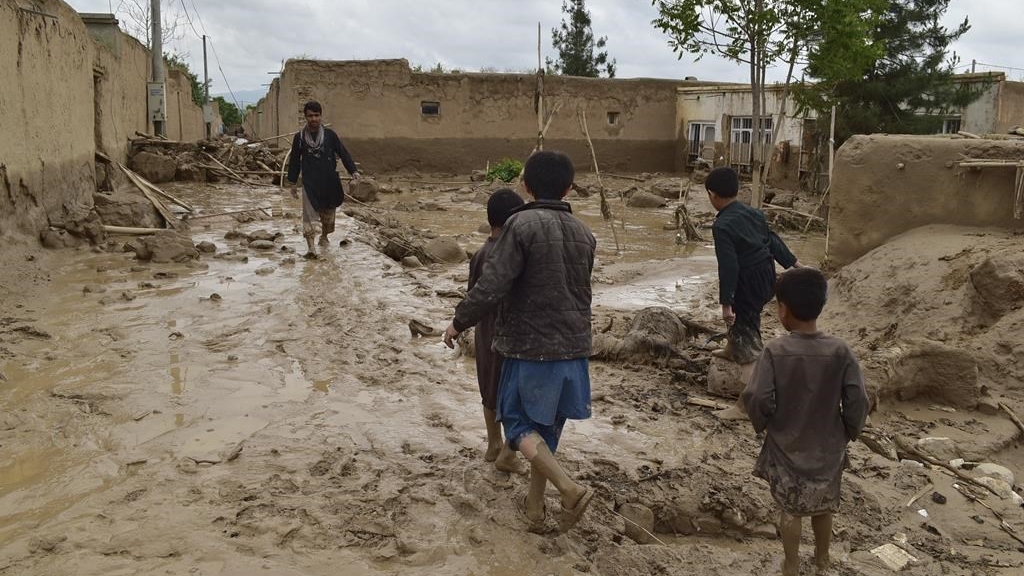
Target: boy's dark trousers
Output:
{"points": [[755, 288]]}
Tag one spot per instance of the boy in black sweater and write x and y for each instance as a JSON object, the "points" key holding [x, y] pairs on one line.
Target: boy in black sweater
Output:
{"points": [[746, 250]]}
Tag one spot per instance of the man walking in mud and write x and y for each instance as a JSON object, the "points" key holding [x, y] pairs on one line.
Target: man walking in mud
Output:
{"points": [[315, 153], [538, 279]]}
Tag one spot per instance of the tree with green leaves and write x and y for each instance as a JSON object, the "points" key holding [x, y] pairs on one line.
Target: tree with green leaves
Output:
{"points": [[579, 54], [907, 89], [229, 113], [175, 62], [759, 34]]}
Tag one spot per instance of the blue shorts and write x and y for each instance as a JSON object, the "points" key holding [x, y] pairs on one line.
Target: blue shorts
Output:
{"points": [[538, 396]]}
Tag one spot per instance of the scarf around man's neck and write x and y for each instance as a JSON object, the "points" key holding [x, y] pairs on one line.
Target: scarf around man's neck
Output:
{"points": [[313, 144]]}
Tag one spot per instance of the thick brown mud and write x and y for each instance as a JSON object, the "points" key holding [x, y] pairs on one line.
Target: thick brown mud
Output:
{"points": [[211, 419]]}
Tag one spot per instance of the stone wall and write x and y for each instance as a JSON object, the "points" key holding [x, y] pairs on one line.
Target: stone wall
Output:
{"points": [[887, 185], [385, 113], [46, 115]]}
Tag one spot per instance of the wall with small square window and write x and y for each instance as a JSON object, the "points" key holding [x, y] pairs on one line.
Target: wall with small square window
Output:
{"points": [[430, 108]]}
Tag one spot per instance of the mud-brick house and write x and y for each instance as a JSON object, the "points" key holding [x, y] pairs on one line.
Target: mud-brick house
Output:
{"points": [[718, 129], [393, 117], [716, 125]]}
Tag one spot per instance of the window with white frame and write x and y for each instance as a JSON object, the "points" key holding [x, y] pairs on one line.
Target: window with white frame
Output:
{"points": [[951, 125], [742, 135]]}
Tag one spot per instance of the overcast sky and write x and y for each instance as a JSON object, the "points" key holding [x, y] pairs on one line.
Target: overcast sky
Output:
{"points": [[253, 37]]}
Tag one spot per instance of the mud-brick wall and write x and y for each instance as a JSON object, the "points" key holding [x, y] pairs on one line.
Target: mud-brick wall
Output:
{"points": [[46, 116], [886, 185], [185, 117], [377, 108], [1011, 106], [120, 78]]}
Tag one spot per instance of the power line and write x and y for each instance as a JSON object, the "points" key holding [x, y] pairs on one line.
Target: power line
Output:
{"points": [[189, 19]]}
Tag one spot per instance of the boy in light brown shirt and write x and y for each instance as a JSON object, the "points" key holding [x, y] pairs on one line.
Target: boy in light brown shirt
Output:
{"points": [[808, 395]]}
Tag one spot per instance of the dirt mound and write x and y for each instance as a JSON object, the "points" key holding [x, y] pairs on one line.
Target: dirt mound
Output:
{"points": [[935, 314]]}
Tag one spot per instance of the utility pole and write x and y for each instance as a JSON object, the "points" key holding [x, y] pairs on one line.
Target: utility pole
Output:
{"points": [[157, 50], [206, 91], [973, 64]]}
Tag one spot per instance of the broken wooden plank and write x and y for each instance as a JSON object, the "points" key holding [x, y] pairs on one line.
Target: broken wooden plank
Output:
{"points": [[966, 134], [707, 403], [153, 187], [791, 211], [162, 208], [1013, 415], [1018, 198]]}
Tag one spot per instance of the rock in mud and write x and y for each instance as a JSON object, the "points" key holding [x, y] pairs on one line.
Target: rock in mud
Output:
{"points": [[725, 378], [206, 247], [641, 199], [263, 235], [124, 208], [190, 173], [364, 190], [412, 262], [154, 167], [944, 449], [54, 238], [445, 249], [166, 246], [639, 522], [484, 228], [668, 188], [262, 245], [266, 269], [995, 471]]}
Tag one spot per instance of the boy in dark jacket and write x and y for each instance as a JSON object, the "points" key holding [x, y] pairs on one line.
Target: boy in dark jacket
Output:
{"points": [[746, 250], [808, 396], [315, 153], [538, 278], [500, 206]]}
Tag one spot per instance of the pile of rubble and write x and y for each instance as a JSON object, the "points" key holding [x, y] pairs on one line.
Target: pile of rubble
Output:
{"points": [[218, 159]]}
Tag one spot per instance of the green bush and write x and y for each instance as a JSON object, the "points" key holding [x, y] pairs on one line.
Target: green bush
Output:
{"points": [[507, 170]]}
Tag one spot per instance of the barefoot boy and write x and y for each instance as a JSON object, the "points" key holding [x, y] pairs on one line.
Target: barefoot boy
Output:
{"points": [[808, 395], [538, 277], [500, 206], [746, 250]]}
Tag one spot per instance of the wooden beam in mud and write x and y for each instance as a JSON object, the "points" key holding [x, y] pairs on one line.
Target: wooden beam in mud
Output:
{"points": [[130, 230], [162, 208], [156, 190]]}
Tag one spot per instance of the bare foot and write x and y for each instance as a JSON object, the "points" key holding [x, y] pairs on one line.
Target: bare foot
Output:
{"points": [[791, 568], [822, 565], [323, 240], [508, 462], [573, 507], [493, 450], [310, 255]]}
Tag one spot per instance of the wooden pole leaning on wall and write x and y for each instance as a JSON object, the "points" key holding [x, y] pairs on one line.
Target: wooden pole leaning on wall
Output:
{"points": [[606, 210]]}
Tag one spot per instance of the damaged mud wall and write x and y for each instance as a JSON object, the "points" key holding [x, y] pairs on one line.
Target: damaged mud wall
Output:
{"points": [[392, 118], [185, 117], [120, 76], [887, 185], [46, 114]]}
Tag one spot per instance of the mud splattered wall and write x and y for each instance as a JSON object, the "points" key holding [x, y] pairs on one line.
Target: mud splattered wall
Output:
{"points": [[66, 91], [121, 70], [46, 115], [393, 118], [887, 185]]}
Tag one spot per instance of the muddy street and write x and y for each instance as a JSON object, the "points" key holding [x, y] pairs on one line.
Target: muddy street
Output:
{"points": [[254, 412]]}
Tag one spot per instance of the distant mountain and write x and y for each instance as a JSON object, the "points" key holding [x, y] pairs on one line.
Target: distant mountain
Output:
{"points": [[245, 97]]}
